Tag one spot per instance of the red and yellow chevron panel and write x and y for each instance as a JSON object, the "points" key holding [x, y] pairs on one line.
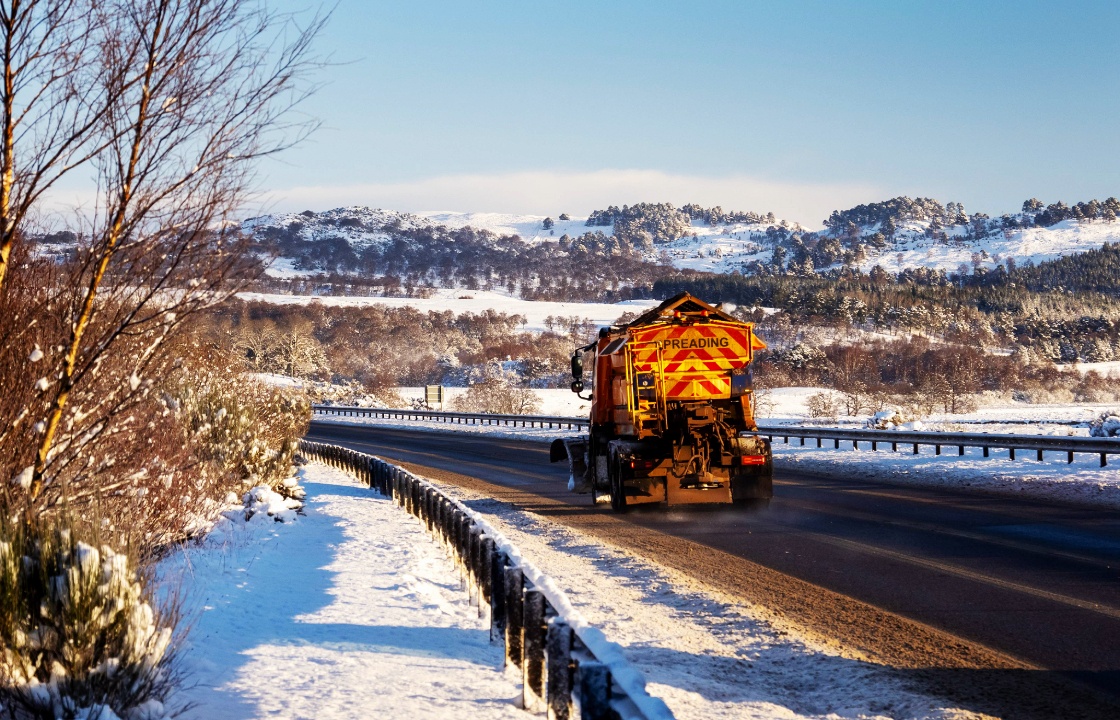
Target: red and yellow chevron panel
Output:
{"points": [[695, 360]]}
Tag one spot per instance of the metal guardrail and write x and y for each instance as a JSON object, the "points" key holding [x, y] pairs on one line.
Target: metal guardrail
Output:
{"points": [[1103, 447], [987, 441], [560, 671], [461, 418]]}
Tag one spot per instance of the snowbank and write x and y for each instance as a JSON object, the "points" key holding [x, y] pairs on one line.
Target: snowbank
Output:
{"points": [[707, 655], [350, 611]]}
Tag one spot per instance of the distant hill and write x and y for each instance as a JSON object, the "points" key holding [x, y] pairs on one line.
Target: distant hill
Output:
{"points": [[616, 251]]}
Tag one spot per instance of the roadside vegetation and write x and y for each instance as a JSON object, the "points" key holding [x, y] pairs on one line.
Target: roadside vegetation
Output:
{"points": [[119, 428]]}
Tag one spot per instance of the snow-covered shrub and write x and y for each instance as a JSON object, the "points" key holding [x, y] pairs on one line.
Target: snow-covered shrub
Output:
{"points": [[1107, 424], [823, 404], [885, 420], [82, 636], [353, 393], [263, 501], [498, 391], [242, 427], [495, 396]]}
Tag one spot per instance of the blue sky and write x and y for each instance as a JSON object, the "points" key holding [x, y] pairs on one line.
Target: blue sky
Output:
{"points": [[796, 107]]}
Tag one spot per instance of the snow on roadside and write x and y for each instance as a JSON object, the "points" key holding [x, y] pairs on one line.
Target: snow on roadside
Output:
{"points": [[705, 654], [350, 610], [1083, 481]]}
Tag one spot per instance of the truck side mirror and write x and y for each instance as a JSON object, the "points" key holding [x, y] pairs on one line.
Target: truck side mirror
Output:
{"points": [[577, 367]]}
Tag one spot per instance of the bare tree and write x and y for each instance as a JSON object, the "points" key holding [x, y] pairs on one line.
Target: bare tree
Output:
{"points": [[51, 106], [201, 90]]}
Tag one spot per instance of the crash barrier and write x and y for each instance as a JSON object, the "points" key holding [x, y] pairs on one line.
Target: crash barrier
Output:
{"points": [[568, 668], [986, 441], [1102, 447], [460, 418]]}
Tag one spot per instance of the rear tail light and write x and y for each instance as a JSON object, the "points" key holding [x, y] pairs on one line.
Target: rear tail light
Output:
{"points": [[643, 464], [752, 459]]}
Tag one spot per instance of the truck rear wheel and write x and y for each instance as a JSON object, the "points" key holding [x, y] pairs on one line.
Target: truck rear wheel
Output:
{"points": [[618, 490]]}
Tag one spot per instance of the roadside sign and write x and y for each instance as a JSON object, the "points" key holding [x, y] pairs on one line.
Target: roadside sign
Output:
{"points": [[433, 394]]}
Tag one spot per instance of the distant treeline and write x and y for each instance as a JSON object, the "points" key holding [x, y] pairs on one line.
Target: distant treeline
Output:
{"points": [[588, 267], [1055, 324]]}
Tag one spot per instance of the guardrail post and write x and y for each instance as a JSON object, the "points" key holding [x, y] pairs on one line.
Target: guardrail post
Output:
{"points": [[474, 549], [820, 442], [1069, 457], [936, 449], [836, 444], [515, 614], [894, 447], [1011, 453], [915, 448], [1040, 454], [594, 691], [987, 450], [558, 670], [533, 636], [448, 516], [874, 445], [485, 564], [464, 547], [1104, 459], [961, 449], [497, 596]]}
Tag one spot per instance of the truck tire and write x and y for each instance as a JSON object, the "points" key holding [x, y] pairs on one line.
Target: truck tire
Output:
{"points": [[618, 492]]}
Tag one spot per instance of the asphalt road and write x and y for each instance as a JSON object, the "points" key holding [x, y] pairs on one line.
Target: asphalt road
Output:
{"points": [[1034, 582]]}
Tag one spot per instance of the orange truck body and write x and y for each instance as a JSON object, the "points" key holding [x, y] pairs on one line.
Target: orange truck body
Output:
{"points": [[672, 417]]}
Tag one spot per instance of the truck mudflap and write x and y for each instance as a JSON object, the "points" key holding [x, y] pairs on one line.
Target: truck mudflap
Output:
{"points": [[574, 450], [753, 481]]}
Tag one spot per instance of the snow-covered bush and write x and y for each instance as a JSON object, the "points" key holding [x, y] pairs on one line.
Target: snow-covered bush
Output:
{"points": [[1107, 424], [498, 390], [263, 501], [823, 404], [82, 636], [496, 396], [885, 420], [242, 427]]}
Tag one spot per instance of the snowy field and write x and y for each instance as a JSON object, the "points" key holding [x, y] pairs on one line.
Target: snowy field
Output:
{"points": [[473, 301], [352, 610]]}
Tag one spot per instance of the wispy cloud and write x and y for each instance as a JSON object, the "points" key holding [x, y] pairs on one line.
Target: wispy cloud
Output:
{"points": [[551, 193]]}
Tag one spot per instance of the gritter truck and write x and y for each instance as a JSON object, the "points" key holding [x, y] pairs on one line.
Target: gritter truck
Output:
{"points": [[672, 412]]}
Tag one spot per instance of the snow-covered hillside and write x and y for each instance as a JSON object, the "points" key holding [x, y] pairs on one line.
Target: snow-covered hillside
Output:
{"points": [[719, 248]]}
